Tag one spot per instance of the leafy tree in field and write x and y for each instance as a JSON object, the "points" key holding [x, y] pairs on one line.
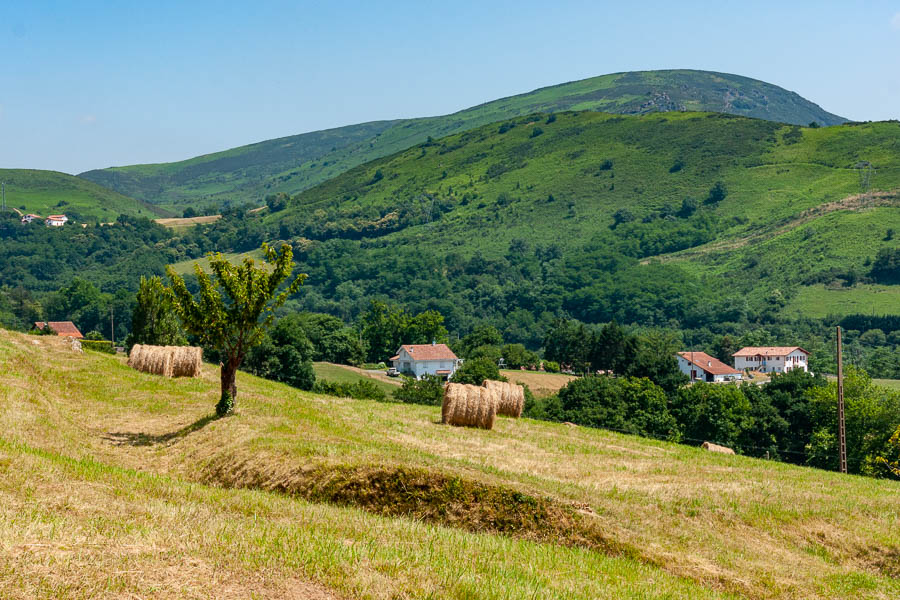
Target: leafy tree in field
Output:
{"points": [[627, 404], [476, 371], [429, 390], [153, 320], [236, 322], [688, 208], [491, 353], [652, 355]]}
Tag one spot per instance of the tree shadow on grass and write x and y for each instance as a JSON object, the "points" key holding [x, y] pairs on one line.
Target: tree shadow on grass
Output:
{"points": [[127, 438]]}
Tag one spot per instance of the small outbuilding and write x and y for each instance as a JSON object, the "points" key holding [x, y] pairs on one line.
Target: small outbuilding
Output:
{"points": [[700, 366], [417, 360], [60, 328]]}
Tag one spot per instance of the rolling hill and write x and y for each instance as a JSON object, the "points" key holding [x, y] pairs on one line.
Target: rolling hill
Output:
{"points": [[292, 164], [50, 192], [126, 485], [600, 216]]}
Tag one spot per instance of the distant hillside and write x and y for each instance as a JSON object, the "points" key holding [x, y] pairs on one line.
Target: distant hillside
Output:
{"points": [[49, 192], [597, 216], [295, 163]]}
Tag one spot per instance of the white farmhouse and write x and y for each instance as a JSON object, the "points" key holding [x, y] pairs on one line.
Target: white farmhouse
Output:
{"points": [[30, 217], [700, 366], [56, 220], [771, 359], [426, 359]]}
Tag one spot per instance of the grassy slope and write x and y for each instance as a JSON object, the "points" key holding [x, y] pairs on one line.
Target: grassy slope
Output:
{"points": [[41, 192], [782, 221], [295, 163], [759, 529], [344, 374], [821, 301]]}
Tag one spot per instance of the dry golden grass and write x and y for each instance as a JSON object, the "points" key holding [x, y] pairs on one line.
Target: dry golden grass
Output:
{"points": [[540, 384], [178, 222], [750, 527]]}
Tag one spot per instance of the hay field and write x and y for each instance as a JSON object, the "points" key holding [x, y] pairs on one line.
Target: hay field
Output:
{"points": [[659, 520], [540, 384], [182, 222]]}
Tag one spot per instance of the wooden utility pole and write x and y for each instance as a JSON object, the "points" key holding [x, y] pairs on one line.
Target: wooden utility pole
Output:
{"points": [[112, 326], [842, 432]]}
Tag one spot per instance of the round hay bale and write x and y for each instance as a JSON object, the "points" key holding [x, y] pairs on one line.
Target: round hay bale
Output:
{"points": [[510, 397], [468, 406], [717, 448], [168, 361]]}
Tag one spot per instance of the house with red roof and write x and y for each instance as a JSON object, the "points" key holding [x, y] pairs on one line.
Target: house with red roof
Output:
{"points": [[56, 220], [417, 360], [60, 328], [771, 359], [700, 366]]}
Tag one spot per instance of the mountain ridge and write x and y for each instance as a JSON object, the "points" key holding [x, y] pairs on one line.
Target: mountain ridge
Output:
{"points": [[249, 173]]}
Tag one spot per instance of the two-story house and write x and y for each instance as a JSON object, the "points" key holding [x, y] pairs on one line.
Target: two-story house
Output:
{"points": [[771, 359], [426, 359]]}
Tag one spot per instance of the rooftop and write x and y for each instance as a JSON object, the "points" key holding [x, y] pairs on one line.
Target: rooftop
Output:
{"points": [[768, 351], [428, 351], [708, 363]]}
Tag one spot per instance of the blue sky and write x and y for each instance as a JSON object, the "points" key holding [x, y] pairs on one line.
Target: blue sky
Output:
{"points": [[94, 84]]}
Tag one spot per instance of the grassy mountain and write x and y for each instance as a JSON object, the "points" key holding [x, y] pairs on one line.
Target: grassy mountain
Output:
{"points": [[51, 192], [295, 163], [162, 499], [604, 194]]}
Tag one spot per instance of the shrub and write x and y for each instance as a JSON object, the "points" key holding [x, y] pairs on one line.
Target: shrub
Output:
{"points": [[98, 346], [359, 390], [475, 371], [551, 119], [429, 390], [551, 366], [536, 132], [717, 193]]}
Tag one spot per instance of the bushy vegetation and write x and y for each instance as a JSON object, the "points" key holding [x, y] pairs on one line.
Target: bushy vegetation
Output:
{"points": [[476, 371], [428, 390], [360, 390]]}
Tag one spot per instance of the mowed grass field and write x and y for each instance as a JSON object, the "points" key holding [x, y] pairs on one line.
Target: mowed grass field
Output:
{"points": [[819, 301], [345, 374], [540, 384], [124, 484]]}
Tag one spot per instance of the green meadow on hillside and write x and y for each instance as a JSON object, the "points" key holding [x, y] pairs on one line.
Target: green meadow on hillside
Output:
{"points": [[50, 192], [122, 464], [295, 163]]}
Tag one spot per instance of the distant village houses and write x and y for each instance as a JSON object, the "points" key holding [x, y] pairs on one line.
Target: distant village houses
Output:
{"points": [[56, 220], [426, 359], [700, 366], [30, 217], [771, 359], [60, 328]]}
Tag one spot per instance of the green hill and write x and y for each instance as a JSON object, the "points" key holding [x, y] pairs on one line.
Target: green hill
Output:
{"points": [[601, 217], [51, 192], [295, 163], [125, 485]]}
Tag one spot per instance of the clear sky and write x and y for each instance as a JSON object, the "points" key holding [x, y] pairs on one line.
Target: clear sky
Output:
{"points": [[93, 84]]}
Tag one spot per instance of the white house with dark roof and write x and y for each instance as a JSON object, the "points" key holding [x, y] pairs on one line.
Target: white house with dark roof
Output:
{"points": [[700, 366], [771, 359], [426, 359]]}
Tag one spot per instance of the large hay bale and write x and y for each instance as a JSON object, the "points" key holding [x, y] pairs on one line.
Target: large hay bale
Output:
{"points": [[168, 361], [469, 406], [717, 448], [510, 397], [186, 361]]}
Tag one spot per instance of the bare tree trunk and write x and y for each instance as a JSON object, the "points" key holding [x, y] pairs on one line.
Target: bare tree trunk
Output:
{"points": [[229, 387]]}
